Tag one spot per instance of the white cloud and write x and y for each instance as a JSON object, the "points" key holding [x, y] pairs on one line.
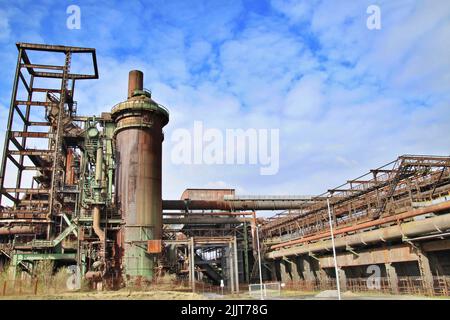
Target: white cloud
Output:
{"points": [[5, 29], [345, 99], [296, 11], [306, 98]]}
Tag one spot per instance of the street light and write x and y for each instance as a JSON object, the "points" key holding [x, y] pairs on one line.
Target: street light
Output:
{"points": [[259, 262]]}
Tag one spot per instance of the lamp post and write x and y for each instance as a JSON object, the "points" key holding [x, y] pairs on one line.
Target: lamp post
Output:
{"points": [[334, 250], [259, 262]]}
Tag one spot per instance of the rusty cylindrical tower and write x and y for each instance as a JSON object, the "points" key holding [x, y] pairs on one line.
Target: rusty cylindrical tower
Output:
{"points": [[138, 136]]}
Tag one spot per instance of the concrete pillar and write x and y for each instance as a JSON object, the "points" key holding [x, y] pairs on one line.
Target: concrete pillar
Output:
{"points": [[392, 276], [273, 271], [435, 264], [307, 269], [298, 267], [425, 270], [277, 269], [342, 279], [285, 271], [322, 275], [289, 270], [295, 275]]}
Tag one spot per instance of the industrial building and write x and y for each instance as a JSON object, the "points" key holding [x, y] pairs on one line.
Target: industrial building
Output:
{"points": [[86, 191]]}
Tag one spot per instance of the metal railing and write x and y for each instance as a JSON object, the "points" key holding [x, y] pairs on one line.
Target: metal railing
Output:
{"points": [[404, 286]]}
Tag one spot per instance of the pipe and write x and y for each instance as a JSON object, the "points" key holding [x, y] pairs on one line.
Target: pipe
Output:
{"points": [[205, 220], [135, 81], [408, 229], [233, 205], [96, 223], [8, 221], [99, 166], [409, 214], [236, 267], [209, 214], [98, 180], [17, 230]]}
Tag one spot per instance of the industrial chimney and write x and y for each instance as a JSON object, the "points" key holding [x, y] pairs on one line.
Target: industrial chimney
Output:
{"points": [[138, 135]]}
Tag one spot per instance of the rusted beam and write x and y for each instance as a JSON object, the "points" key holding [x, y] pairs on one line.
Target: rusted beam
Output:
{"points": [[26, 190], [14, 161], [33, 103], [46, 90], [361, 181], [10, 197], [343, 190], [42, 66], [325, 234], [33, 202], [56, 75], [19, 112], [53, 48], [36, 168], [29, 134], [31, 152], [24, 82], [39, 123], [384, 170]]}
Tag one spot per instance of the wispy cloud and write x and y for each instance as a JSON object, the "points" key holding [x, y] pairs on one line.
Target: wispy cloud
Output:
{"points": [[345, 98]]}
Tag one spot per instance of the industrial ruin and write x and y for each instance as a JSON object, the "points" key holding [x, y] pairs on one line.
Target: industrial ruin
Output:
{"points": [[86, 191]]}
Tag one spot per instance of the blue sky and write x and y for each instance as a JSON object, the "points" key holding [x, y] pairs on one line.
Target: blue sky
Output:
{"points": [[345, 98]]}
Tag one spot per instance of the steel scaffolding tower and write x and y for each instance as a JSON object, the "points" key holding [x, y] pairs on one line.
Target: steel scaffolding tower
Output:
{"points": [[46, 117]]}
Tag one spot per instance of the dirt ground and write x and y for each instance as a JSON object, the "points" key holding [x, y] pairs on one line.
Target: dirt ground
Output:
{"points": [[113, 295], [177, 295]]}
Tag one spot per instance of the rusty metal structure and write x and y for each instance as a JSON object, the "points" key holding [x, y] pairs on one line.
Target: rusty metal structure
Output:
{"points": [[93, 195], [138, 139], [43, 134], [208, 243], [395, 217], [86, 191]]}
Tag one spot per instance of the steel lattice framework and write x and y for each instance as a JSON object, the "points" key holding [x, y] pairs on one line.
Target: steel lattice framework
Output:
{"points": [[392, 189]]}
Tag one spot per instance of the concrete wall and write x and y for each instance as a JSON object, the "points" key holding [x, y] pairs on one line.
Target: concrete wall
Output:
{"points": [[393, 262]]}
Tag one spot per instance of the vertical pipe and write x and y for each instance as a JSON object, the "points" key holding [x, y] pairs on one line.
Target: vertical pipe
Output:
{"points": [[260, 264], [246, 267], [231, 267], [192, 264], [69, 169], [236, 267], [188, 258], [96, 214], [96, 223], [99, 165], [336, 270], [135, 82]]}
